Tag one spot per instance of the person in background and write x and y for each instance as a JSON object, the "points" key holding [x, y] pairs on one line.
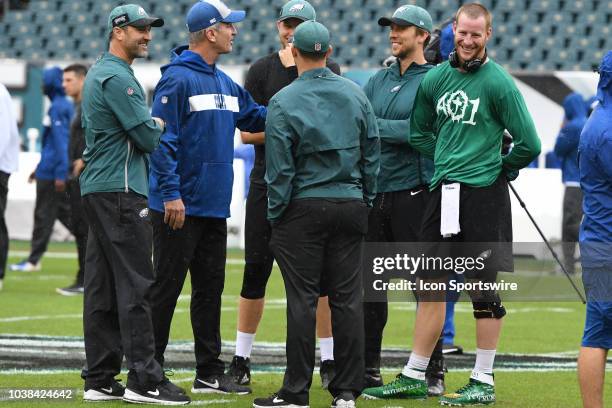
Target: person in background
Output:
{"points": [[595, 158], [51, 173], [566, 149], [9, 160], [74, 77]]}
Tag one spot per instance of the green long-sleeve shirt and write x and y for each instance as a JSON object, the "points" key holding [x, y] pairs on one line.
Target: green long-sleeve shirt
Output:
{"points": [[119, 130], [321, 142], [392, 95], [459, 119]]}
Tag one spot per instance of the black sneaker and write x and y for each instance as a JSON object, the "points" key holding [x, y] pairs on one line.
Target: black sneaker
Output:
{"points": [[327, 371], [240, 370], [435, 384], [219, 384], [340, 402], [275, 401], [73, 290], [372, 378], [162, 394], [171, 385], [113, 391], [452, 349]]}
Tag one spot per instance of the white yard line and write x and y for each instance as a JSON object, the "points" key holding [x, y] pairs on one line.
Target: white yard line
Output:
{"points": [[73, 255]]}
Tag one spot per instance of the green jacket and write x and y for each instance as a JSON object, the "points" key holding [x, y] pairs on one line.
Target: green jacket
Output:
{"points": [[321, 142], [119, 130], [392, 97]]}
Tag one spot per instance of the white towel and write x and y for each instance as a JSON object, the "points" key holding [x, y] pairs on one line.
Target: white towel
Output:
{"points": [[449, 217]]}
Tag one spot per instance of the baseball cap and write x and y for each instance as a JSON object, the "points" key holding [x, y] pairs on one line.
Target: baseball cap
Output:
{"points": [[409, 15], [206, 13], [132, 14], [300, 9], [312, 37]]}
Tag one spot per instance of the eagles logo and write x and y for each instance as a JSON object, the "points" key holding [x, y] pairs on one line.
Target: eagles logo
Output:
{"points": [[296, 7]]}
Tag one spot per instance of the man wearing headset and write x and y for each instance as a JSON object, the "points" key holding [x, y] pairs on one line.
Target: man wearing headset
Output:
{"points": [[460, 113]]}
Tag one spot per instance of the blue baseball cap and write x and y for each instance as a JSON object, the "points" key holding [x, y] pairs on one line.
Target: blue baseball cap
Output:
{"points": [[206, 13]]}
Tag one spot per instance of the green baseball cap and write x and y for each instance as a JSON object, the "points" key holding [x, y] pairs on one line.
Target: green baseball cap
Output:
{"points": [[300, 9], [409, 15], [131, 14], [311, 37]]}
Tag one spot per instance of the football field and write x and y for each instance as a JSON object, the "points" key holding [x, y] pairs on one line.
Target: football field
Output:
{"points": [[41, 340]]}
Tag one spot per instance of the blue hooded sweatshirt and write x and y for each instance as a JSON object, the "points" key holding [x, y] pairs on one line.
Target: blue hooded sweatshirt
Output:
{"points": [[56, 133], [202, 107], [566, 147], [595, 154]]}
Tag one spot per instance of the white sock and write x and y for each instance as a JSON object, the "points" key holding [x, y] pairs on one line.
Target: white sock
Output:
{"points": [[484, 365], [416, 366], [326, 344], [244, 344]]}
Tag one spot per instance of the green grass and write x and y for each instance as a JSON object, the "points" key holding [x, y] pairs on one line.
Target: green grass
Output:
{"points": [[513, 389], [530, 328]]}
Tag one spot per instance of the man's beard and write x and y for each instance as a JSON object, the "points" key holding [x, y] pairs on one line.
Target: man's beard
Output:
{"points": [[137, 52]]}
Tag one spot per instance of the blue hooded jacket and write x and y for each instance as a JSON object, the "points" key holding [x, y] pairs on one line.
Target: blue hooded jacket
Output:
{"points": [[566, 147], [56, 133], [595, 154], [202, 107]]}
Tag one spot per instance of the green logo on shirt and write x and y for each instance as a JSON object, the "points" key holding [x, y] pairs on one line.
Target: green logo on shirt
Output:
{"points": [[458, 107]]}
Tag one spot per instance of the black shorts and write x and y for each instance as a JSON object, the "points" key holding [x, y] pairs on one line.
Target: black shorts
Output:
{"points": [[397, 216], [485, 218]]}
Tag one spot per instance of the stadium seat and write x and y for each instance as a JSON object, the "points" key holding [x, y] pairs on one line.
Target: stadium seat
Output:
{"points": [[521, 28]]}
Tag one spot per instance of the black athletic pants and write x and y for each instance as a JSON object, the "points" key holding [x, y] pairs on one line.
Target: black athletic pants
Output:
{"points": [[79, 225], [118, 279], [50, 205], [572, 217], [201, 247], [321, 240], [395, 217], [4, 239]]}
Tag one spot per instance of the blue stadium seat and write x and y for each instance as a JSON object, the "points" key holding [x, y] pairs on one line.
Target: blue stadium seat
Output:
{"points": [[545, 5], [509, 5], [578, 30]]}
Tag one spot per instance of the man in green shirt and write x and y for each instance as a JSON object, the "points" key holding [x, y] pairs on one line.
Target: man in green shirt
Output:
{"points": [[403, 181], [322, 159], [119, 134], [460, 113]]}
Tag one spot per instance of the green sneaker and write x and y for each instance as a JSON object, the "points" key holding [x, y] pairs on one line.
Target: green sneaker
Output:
{"points": [[402, 387], [474, 393]]}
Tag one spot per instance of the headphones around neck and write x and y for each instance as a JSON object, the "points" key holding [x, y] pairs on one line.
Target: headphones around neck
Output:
{"points": [[472, 65]]}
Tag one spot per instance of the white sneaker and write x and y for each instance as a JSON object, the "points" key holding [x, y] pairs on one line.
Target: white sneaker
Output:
{"points": [[1, 284], [25, 266], [342, 403]]}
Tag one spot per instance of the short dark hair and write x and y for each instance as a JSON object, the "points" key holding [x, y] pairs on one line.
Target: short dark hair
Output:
{"points": [[78, 69], [312, 56]]}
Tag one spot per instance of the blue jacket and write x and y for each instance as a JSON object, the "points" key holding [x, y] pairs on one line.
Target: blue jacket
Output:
{"points": [[595, 154], [56, 133], [202, 107], [566, 147]]}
